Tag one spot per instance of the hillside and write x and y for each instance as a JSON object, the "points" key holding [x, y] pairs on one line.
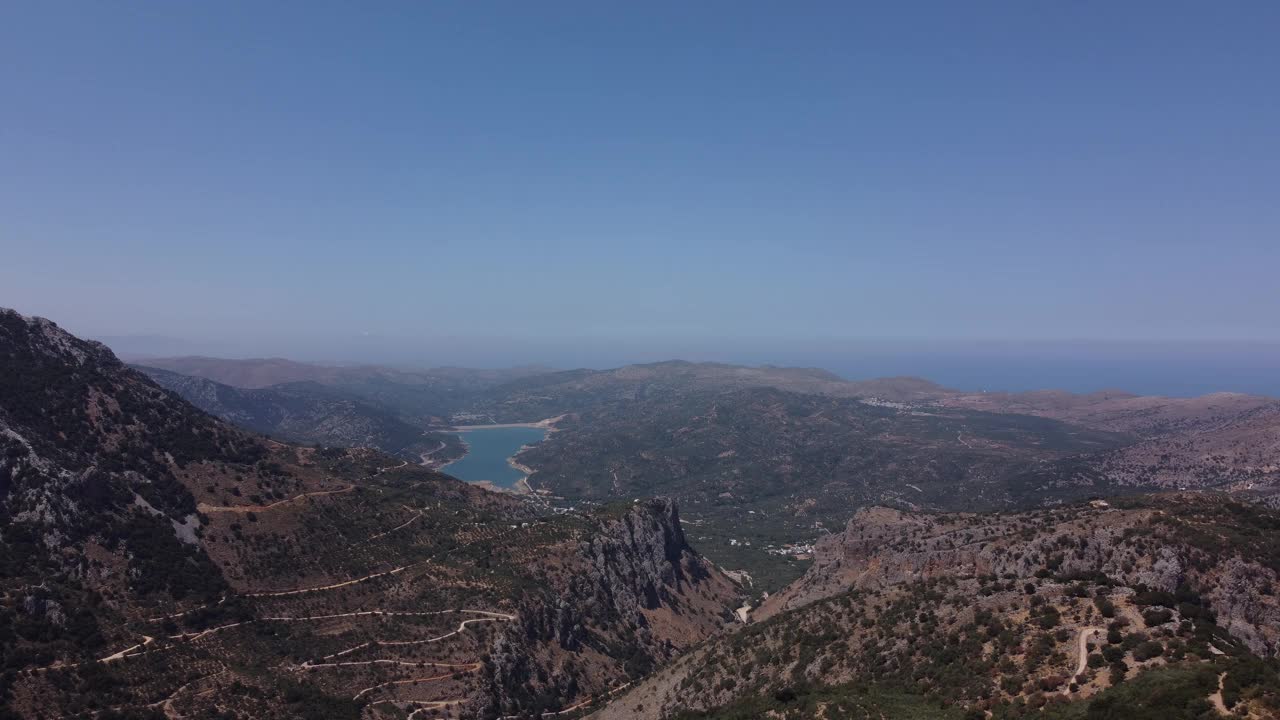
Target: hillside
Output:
{"points": [[417, 396], [308, 412], [1219, 441], [1117, 411], [1224, 441], [1135, 609], [552, 394], [766, 459], [160, 563], [775, 468]]}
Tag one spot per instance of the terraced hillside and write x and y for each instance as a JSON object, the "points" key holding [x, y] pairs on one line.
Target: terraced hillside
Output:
{"points": [[158, 562]]}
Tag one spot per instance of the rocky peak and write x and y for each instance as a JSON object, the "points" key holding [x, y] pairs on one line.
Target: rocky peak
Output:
{"points": [[637, 585], [41, 336]]}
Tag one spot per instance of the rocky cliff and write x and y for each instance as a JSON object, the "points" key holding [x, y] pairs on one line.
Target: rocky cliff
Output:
{"points": [[637, 590]]}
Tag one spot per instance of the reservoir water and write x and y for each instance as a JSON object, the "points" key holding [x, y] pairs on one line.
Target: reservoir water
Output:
{"points": [[488, 450]]}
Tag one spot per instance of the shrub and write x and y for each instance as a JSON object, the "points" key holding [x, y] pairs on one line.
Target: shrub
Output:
{"points": [[1105, 606], [1148, 650]]}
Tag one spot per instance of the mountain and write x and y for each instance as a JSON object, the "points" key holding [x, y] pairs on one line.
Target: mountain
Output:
{"points": [[158, 562], [417, 396], [1157, 606], [308, 412]]}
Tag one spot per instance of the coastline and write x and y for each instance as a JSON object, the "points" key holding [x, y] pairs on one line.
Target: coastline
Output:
{"points": [[521, 486]]}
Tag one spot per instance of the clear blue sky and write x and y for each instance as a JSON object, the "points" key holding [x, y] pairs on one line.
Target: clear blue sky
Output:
{"points": [[666, 176]]}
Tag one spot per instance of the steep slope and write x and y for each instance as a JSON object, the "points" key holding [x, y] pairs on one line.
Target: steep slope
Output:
{"points": [[308, 412], [906, 614], [158, 562]]}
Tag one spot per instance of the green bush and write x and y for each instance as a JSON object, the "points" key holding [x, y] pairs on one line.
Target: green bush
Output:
{"points": [[1147, 650]]}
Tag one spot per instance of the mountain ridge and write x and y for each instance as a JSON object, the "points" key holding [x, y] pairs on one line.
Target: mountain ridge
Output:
{"points": [[307, 412]]}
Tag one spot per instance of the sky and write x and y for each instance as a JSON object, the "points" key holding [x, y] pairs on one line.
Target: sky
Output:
{"points": [[594, 182]]}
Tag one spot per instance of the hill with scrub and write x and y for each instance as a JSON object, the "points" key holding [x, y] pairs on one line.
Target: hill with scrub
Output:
{"points": [[311, 413], [1154, 607]]}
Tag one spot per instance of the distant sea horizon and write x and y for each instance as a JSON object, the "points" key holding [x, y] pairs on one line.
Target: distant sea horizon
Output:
{"points": [[1155, 372], [1173, 368]]}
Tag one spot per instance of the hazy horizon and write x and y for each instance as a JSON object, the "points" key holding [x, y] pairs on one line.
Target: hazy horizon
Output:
{"points": [[1152, 368], [1001, 194]]}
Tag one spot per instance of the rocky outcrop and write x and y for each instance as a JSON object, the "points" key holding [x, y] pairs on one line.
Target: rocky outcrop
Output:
{"points": [[1243, 598], [641, 560], [638, 593]]}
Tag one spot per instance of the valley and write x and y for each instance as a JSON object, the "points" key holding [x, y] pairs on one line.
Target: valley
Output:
{"points": [[765, 460], [639, 361], [918, 552], [169, 565]]}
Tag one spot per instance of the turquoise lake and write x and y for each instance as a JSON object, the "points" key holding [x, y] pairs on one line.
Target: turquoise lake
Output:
{"points": [[488, 450]]}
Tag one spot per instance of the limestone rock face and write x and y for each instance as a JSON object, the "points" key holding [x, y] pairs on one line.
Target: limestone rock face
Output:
{"points": [[1245, 604], [636, 574]]}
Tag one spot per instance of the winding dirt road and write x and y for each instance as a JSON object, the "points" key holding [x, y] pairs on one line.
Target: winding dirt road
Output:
{"points": [[146, 640], [1082, 654], [411, 681], [462, 626], [207, 508], [1216, 698]]}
